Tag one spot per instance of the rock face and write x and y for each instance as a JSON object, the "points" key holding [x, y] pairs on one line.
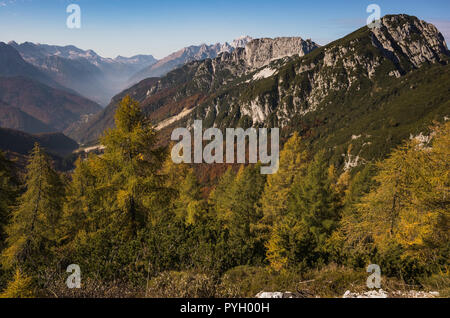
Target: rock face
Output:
{"points": [[418, 41], [241, 41], [261, 52]]}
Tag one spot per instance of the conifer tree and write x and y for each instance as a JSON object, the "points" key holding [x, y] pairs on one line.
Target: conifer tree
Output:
{"points": [[187, 202], [33, 227], [289, 245], [408, 212], [7, 195], [20, 287], [246, 213], [314, 200], [355, 251], [293, 159], [221, 198], [82, 200], [299, 238], [129, 170]]}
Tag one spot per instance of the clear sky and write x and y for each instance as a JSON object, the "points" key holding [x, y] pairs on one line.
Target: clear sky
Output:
{"points": [[160, 27]]}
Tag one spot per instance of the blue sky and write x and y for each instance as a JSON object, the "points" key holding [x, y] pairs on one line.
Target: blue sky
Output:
{"points": [[160, 27]]}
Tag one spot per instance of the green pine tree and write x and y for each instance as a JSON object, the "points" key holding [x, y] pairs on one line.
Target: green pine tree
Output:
{"points": [[299, 238], [314, 200], [245, 215]]}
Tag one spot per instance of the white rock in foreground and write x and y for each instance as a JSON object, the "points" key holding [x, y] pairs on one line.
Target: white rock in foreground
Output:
{"points": [[275, 295], [397, 294]]}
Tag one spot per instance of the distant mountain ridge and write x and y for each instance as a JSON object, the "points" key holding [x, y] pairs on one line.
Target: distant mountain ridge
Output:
{"points": [[32, 52], [12, 64], [86, 72], [186, 55]]}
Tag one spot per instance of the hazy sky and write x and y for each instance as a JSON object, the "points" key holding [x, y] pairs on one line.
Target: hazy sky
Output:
{"points": [[129, 27]]}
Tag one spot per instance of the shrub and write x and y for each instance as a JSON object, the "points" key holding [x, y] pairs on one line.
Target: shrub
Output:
{"points": [[247, 281], [182, 285]]}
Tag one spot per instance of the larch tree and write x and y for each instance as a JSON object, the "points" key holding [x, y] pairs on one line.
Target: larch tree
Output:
{"points": [[354, 251], [82, 208], [220, 198], [134, 189], [314, 199], [274, 201], [409, 208], [186, 200], [33, 228]]}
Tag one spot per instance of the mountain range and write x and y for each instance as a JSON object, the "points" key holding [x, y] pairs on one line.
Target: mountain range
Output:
{"points": [[358, 96], [12, 64], [186, 55], [86, 72], [43, 87], [189, 85], [99, 78]]}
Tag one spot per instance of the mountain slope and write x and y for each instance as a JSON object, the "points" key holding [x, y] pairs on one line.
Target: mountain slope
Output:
{"points": [[14, 118], [22, 143], [55, 108], [358, 96], [189, 85]]}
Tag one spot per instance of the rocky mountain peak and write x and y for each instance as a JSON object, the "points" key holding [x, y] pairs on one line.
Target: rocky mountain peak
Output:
{"points": [[417, 40], [241, 41]]}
